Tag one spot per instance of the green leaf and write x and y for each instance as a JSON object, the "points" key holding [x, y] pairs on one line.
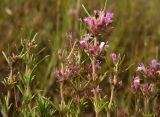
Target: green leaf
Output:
{"points": [[86, 10], [7, 59]]}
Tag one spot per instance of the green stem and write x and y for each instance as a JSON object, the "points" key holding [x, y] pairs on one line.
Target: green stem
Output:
{"points": [[111, 98], [94, 62], [62, 97], [78, 111], [93, 68], [8, 104], [112, 90], [62, 105], [108, 113], [96, 114], [110, 102], [96, 103], [137, 106], [146, 106], [15, 98], [72, 50], [86, 10], [105, 5]]}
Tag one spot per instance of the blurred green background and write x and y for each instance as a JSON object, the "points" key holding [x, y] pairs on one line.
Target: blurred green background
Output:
{"points": [[136, 28]]}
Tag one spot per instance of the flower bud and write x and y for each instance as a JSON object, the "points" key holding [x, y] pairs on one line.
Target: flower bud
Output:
{"points": [[114, 58]]}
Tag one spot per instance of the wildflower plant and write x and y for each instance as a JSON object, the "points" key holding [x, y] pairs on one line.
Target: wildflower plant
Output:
{"points": [[145, 85], [19, 83], [81, 71]]}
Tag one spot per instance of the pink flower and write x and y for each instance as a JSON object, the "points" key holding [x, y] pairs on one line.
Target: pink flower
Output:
{"points": [[147, 89], [89, 21], [98, 64], [108, 18], [94, 50], [84, 41], [142, 68], [75, 69], [96, 90], [154, 64], [136, 83], [62, 75], [112, 81], [114, 58], [150, 71]]}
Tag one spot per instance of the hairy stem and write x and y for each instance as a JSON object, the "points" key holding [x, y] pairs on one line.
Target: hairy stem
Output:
{"points": [[94, 79]]}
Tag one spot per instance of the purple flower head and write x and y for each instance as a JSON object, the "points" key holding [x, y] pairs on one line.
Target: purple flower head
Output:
{"points": [[154, 64], [114, 58], [89, 21], [108, 18], [87, 37], [62, 75], [84, 41], [98, 64], [66, 71], [96, 89], [112, 81], [150, 71], [147, 89], [142, 68], [136, 83], [94, 50], [100, 21], [136, 80], [59, 75], [75, 69]]}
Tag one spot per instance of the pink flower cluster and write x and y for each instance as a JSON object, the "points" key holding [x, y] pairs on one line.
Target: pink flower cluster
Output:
{"points": [[63, 75], [86, 42], [97, 89], [147, 89], [100, 20], [150, 71]]}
